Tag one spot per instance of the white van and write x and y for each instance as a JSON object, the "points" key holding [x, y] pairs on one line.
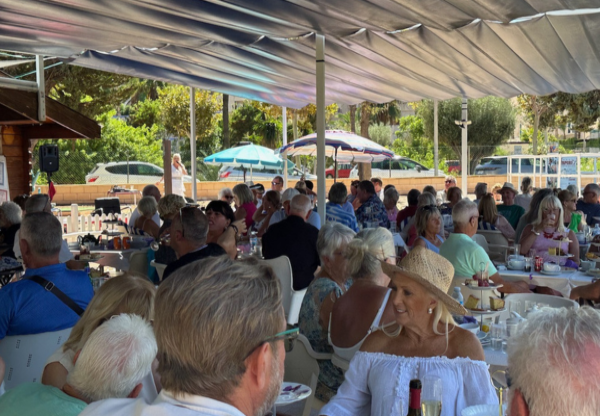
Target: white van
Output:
{"points": [[396, 167]]}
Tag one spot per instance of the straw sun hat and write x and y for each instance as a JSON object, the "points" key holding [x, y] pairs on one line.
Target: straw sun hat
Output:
{"points": [[431, 271]]}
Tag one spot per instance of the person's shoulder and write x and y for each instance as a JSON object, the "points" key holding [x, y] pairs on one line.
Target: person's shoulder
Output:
{"points": [[378, 341], [463, 343]]}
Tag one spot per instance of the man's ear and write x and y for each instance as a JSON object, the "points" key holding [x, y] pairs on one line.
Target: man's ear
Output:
{"points": [[24, 246], [258, 365], [135, 392], [518, 405]]}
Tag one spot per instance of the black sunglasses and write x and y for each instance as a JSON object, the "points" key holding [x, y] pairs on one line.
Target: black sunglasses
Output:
{"points": [[289, 338], [428, 207]]}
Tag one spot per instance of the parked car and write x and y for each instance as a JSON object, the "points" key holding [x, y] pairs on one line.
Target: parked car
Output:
{"points": [[396, 167], [498, 165], [343, 171], [126, 173], [453, 166], [229, 173]]}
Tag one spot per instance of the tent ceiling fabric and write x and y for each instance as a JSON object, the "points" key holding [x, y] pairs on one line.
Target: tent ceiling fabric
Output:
{"points": [[376, 50]]}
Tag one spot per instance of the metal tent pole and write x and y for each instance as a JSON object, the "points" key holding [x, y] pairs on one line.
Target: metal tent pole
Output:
{"points": [[284, 122], [320, 61], [436, 160], [193, 141], [41, 87], [464, 160]]}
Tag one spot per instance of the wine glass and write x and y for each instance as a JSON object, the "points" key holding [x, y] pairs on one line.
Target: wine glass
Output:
{"points": [[431, 396]]}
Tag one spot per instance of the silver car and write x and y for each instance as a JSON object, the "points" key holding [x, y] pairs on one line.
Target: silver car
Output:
{"points": [[126, 173], [228, 173]]}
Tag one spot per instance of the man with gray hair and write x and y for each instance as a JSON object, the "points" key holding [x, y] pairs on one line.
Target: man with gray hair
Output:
{"points": [[480, 191], [286, 198], [334, 210], [296, 239], [149, 190], [42, 203], [459, 248], [111, 364], [554, 362], [189, 230], [589, 203], [222, 339], [10, 222], [49, 297]]}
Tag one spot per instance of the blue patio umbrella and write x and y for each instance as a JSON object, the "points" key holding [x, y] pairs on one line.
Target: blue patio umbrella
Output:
{"points": [[246, 156]]}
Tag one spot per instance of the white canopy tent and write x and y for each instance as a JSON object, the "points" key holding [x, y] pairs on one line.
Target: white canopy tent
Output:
{"points": [[377, 50]]}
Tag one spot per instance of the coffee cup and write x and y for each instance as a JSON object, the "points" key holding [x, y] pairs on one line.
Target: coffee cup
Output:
{"points": [[516, 263], [551, 267], [586, 265]]}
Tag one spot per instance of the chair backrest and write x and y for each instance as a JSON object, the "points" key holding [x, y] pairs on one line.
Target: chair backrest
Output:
{"points": [[549, 300], [302, 367], [296, 303], [138, 262], [283, 270], [25, 355], [479, 239], [160, 269], [493, 237], [404, 223]]}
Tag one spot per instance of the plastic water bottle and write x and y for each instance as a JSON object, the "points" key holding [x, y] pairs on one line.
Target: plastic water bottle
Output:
{"points": [[457, 295], [253, 241], [596, 230]]}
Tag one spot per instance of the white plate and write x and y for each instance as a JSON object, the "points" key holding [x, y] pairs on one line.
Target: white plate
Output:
{"points": [[593, 272], [482, 410], [287, 397], [482, 287], [487, 312], [520, 269]]}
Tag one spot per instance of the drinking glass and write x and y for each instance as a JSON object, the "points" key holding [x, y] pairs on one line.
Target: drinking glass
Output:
{"points": [[517, 249], [431, 396], [498, 334]]}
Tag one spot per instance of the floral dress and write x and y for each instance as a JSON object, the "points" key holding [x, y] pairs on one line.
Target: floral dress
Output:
{"points": [[330, 376]]}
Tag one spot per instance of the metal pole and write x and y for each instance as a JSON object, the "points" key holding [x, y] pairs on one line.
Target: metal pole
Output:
{"points": [[193, 141], [284, 122], [436, 160], [41, 87], [464, 163], [321, 184]]}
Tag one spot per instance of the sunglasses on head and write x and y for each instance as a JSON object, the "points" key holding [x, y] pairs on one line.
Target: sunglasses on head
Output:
{"points": [[428, 207]]}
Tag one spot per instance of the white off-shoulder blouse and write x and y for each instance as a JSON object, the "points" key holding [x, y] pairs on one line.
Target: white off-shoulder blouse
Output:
{"points": [[376, 384]]}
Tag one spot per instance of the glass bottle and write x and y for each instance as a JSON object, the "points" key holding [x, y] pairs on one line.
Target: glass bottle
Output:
{"points": [[414, 403]]}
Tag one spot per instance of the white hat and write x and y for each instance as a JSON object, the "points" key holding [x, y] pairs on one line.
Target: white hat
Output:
{"points": [[508, 185]]}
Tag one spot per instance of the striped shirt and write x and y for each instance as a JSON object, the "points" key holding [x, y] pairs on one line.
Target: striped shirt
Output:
{"points": [[335, 213]]}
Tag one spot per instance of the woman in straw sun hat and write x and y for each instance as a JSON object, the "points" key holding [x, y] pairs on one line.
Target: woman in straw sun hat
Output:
{"points": [[423, 342]]}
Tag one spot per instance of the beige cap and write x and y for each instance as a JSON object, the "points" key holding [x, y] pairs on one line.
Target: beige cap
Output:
{"points": [[508, 185]]}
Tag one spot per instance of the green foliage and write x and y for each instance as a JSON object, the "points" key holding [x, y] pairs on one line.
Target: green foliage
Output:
{"points": [[145, 113], [175, 111], [420, 150], [380, 133], [119, 142], [493, 121], [410, 127], [527, 134]]}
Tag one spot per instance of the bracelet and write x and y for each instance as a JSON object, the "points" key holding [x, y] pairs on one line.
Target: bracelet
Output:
{"points": [[535, 232], [234, 229]]}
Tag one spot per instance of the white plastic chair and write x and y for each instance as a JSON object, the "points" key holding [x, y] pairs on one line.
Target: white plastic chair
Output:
{"points": [[480, 239], [292, 300], [25, 355], [138, 262], [340, 362], [160, 269], [301, 366], [497, 244], [549, 300]]}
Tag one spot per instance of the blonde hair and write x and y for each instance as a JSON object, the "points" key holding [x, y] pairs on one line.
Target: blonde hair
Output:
{"points": [[422, 218], [210, 316], [170, 205], [243, 193], [487, 208], [551, 201], [122, 294], [367, 249]]}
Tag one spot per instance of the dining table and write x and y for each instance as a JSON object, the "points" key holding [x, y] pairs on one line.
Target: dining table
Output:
{"points": [[562, 282]]}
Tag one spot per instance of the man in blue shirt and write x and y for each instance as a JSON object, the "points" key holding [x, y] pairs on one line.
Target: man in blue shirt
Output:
{"points": [[589, 203], [371, 208], [334, 210], [25, 306]]}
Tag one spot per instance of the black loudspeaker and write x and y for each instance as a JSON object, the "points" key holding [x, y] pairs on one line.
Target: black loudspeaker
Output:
{"points": [[108, 205], [49, 158]]}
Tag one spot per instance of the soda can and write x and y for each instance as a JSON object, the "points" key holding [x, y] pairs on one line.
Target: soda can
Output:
{"points": [[117, 243], [126, 243], [539, 263]]}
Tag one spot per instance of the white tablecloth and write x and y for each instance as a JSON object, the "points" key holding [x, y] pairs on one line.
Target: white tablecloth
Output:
{"points": [[563, 282]]}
